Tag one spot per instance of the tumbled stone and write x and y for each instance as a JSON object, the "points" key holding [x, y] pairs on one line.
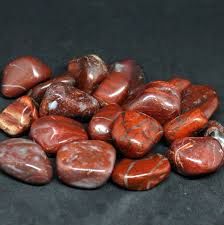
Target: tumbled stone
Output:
{"points": [[185, 125], [200, 96], [142, 174], [85, 164], [51, 132], [22, 74], [25, 160], [89, 71], [65, 100], [136, 133], [38, 91], [193, 156], [17, 117], [101, 123], [113, 89], [132, 70], [159, 99]]}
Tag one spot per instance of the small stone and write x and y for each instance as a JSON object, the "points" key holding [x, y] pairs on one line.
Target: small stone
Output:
{"points": [[22, 74], [51, 132], [38, 91], [113, 89], [85, 164], [185, 125], [65, 100], [25, 160], [142, 174], [135, 133], [101, 123], [89, 72], [194, 156], [18, 116]]}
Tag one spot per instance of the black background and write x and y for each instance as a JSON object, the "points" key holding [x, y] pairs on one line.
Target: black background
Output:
{"points": [[165, 37]]}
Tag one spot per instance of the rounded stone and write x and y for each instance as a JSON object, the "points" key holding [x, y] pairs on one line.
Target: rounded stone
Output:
{"points": [[136, 133], [101, 123], [25, 160], [85, 164], [194, 156], [51, 132], [142, 174], [22, 74]]}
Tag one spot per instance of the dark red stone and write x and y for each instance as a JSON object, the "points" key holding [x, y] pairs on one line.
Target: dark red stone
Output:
{"points": [[85, 164], [51, 132], [216, 130], [25, 160], [38, 91], [22, 74], [180, 83], [200, 96], [113, 89], [132, 70], [65, 100], [159, 99], [89, 71], [185, 125], [101, 123], [18, 116], [136, 133], [142, 174], [193, 156]]}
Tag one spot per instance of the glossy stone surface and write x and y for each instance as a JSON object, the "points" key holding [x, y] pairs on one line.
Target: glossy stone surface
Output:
{"points": [[200, 96], [159, 99], [17, 117], [85, 164], [185, 125], [89, 71], [51, 132], [22, 74], [136, 133], [216, 130], [132, 70], [142, 174], [65, 100], [25, 160], [113, 89], [101, 123], [38, 91], [193, 156], [180, 83]]}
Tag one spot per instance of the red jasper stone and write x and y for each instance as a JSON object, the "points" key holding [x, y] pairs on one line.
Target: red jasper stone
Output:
{"points": [[22, 74], [142, 174], [101, 123], [180, 83], [113, 89], [89, 70], [132, 70], [85, 164], [18, 116], [65, 100], [25, 160], [193, 156], [38, 91], [185, 125], [160, 100], [51, 132], [200, 96], [136, 133], [216, 130]]}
